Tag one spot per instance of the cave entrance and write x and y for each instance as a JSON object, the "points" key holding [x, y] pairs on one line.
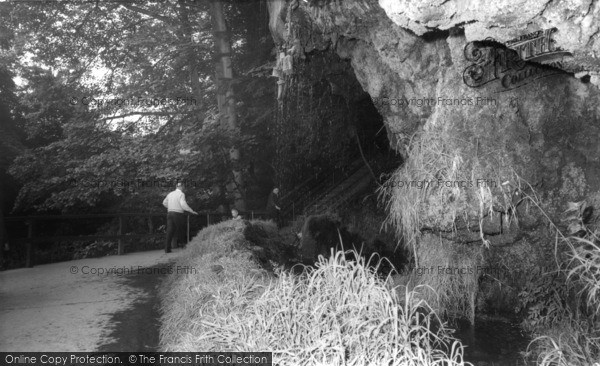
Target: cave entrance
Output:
{"points": [[332, 149], [330, 139], [373, 143]]}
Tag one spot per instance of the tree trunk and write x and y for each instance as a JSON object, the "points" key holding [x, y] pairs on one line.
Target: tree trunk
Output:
{"points": [[186, 34], [225, 95], [2, 238]]}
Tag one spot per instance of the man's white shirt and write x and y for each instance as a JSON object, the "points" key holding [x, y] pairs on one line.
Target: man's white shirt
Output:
{"points": [[175, 201]]}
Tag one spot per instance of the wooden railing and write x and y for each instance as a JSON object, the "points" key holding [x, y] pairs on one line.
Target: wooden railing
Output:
{"points": [[31, 239]]}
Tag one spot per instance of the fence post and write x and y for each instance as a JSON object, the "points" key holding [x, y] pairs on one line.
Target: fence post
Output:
{"points": [[207, 219], [188, 228], [29, 261], [121, 249], [252, 214]]}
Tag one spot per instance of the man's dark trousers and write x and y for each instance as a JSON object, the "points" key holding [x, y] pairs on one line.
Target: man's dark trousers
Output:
{"points": [[175, 225]]}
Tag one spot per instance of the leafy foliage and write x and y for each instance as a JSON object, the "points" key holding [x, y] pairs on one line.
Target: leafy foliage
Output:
{"points": [[95, 141], [89, 70], [544, 299]]}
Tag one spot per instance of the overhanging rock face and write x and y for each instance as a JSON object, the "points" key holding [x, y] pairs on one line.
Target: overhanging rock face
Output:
{"points": [[490, 103], [575, 24]]}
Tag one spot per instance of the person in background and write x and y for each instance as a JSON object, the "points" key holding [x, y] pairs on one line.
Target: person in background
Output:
{"points": [[235, 214], [175, 204], [273, 209]]}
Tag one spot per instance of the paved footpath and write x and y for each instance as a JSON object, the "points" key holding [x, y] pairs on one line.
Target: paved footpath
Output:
{"points": [[73, 306]]}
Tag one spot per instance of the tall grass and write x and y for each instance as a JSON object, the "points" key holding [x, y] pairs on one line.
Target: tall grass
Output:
{"points": [[575, 339], [337, 313], [451, 273], [439, 184], [573, 336], [342, 313], [584, 258], [438, 187]]}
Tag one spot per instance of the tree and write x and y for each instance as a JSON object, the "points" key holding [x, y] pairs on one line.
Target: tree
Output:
{"points": [[10, 146], [148, 52], [225, 95]]}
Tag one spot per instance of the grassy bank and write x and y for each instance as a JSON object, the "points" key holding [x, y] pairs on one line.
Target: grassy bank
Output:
{"points": [[218, 278], [338, 313], [565, 315]]}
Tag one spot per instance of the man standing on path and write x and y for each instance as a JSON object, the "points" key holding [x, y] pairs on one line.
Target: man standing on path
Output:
{"points": [[273, 209], [176, 204]]}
